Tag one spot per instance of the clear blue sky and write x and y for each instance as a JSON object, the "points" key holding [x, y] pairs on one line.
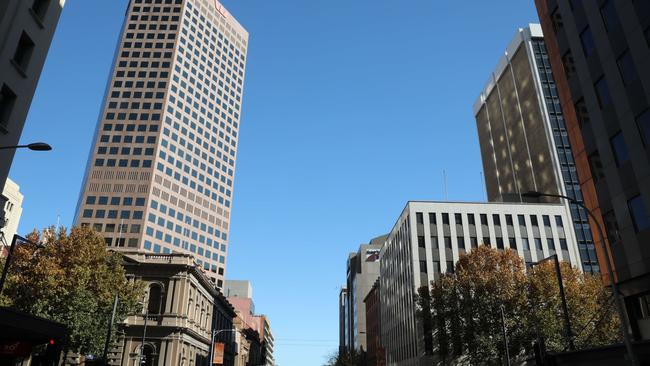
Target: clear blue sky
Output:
{"points": [[351, 108]]}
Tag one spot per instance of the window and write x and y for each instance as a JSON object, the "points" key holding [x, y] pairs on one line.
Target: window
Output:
{"points": [[596, 165], [445, 219], [423, 266], [448, 242], [602, 92], [39, 7], [496, 219], [608, 13], [484, 219], [638, 213], [581, 112], [563, 244], [513, 243], [547, 221], [569, 64], [643, 123], [556, 19], [421, 241], [538, 243], [473, 242], [7, 101], [470, 219], [23, 52], [419, 218], [626, 68], [551, 244], [619, 149], [499, 243], [526, 243], [432, 219], [587, 41], [611, 226], [156, 298], [434, 242], [450, 267], [461, 242]]}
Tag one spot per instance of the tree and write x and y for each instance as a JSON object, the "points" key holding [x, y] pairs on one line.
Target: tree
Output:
{"points": [[466, 308], [72, 280], [347, 358]]}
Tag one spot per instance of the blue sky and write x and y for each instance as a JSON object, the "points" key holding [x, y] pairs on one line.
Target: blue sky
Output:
{"points": [[350, 109]]}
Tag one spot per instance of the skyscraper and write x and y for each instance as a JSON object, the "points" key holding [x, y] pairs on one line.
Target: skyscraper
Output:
{"points": [[160, 173], [26, 31], [599, 52], [523, 135]]}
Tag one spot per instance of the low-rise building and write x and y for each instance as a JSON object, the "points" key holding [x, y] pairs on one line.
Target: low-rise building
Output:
{"points": [[183, 310], [428, 239]]}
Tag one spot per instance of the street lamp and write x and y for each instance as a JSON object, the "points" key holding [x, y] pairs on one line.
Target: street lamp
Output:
{"points": [[10, 256], [35, 146], [615, 290], [567, 321], [214, 335]]}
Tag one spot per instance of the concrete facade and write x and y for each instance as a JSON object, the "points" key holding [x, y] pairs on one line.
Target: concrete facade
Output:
{"points": [[343, 324], [182, 308], [161, 169], [238, 288], [599, 51], [523, 135], [13, 209], [26, 32], [362, 272], [427, 240]]}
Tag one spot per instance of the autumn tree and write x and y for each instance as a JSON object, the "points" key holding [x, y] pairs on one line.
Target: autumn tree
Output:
{"points": [[73, 280], [466, 308]]}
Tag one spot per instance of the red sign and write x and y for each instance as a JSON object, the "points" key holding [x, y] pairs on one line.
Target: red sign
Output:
{"points": [[217, 354], [15, 349]]}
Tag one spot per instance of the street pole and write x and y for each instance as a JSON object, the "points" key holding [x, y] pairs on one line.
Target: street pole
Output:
{"points": [[214, 335], [144, 336], [625, 325], [565, 308], [10, 256], [505, 336], [110, 330]]}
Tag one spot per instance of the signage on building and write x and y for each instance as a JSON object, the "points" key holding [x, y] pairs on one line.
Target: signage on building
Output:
{"points": [[15, 349], [221, 9], [372, 255], [217, 352]]}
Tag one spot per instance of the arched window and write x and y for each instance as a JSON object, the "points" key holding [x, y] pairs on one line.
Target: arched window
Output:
{"points": [[156, 299], [148, 356]]}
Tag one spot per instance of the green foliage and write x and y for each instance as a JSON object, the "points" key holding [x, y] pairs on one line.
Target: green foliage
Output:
{"points": [[72, 280], [464, 308], [348, 358]]}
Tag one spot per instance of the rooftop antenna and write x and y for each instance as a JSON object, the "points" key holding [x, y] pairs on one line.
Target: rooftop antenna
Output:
{"points": [[58, 221], [444, 178]]}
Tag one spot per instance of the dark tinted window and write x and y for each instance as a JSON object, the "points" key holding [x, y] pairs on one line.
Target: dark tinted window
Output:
{"points": [[619, 149]]}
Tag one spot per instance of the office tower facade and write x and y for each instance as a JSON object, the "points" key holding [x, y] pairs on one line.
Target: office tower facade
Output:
{"points": [[376, 354], [26, 31], [362, 272], [429, 237], [182, 307], [599, 51], [523, 135], [160, 173], [343, 317], [238, 288], [13, 210]]}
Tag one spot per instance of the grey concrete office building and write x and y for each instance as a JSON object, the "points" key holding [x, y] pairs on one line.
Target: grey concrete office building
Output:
{"points": [[362, 272], [429, 237], [26, 31], [600, 51], [343, 325], [161, 169], [523, 137]]}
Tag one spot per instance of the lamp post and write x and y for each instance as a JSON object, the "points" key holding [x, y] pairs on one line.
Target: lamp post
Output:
{"points": [[10, 256], [615, 290], [214, 335], [565, 308], [35, 146]]}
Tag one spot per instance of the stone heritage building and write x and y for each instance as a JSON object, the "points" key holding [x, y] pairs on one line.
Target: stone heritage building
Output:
{"points": [[182, 308]]}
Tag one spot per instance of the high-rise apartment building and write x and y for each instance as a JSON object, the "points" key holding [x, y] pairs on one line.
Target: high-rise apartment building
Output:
{"points": [[523, 135], [362, 272], [428, 239], [26, 31], [160, 173], [599, 52]]}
